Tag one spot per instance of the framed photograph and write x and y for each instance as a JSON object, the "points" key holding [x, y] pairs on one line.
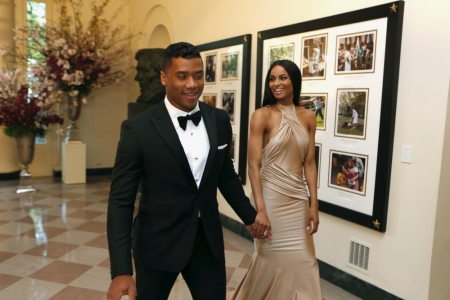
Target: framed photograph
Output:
{"points": [[232, 151], [230, 66], [210, 99], [351, 112], [315, 57], [234, 91], [210, 68], [355, 53], [316, 102], [347, 172], [281, 52], [317, 156], [228, 103], [362, 128]]}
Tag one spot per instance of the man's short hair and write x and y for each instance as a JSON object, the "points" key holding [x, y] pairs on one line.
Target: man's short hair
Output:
{"points": [[181, 49]]}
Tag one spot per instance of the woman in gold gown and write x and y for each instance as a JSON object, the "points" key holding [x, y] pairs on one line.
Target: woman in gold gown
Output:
{"points": [[282, 170]]}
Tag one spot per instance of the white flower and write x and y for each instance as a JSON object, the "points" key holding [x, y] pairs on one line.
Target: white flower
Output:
{"points": [[73, 93], [66, 77], [66, 65], [72, 51], [59, 43], [84, 100]]}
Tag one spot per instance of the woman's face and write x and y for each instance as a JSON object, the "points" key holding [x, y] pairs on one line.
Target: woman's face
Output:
{"points": [[280, 84]]}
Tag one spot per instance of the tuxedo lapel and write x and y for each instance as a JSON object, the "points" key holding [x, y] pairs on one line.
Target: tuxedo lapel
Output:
{"points": [[209, 118], [164, 125]]}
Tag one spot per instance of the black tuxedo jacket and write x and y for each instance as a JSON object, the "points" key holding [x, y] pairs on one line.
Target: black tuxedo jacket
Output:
{"points": [[150, 152]]}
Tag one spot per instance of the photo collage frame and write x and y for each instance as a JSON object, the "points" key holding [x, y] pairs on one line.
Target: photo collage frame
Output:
{"points": [[227, 87], [349, 64]]}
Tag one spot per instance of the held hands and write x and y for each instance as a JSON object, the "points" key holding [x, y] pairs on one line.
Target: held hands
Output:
{"points": [[261, 229], [313, 220], [122, 285]]}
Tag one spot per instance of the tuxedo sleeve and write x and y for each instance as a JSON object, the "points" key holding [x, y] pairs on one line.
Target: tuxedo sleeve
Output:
{"points": [[230, 186], [125, 181]]}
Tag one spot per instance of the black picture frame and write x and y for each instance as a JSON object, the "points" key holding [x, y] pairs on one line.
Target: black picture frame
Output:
{"points": [[244, 74], [393, 12]]}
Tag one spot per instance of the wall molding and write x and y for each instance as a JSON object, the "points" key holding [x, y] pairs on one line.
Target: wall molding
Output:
{"points": [[89, 172]]}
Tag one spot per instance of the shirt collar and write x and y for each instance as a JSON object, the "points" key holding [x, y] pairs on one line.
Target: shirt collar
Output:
{"points": [[175, 112]]}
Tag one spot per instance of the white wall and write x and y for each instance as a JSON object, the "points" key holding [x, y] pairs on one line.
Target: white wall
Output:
{"points": [[8, 156], [440, 262], [401, 257]]}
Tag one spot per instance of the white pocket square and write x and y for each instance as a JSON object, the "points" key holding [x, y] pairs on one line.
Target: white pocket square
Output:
{"points": [[222, 147]]}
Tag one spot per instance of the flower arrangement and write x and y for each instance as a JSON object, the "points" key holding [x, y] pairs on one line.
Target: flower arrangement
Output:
{"points": [[75, 58], [23, 112]]}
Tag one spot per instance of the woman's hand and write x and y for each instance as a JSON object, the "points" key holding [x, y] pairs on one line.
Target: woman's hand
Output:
{"points": [[262, 226], [313, 220]]}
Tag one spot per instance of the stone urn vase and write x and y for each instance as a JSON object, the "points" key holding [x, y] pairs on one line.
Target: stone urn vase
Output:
{"points": [[25, 154], [73, 105]]}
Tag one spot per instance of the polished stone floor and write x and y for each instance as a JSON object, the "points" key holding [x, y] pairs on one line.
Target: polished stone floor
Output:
{"points": [[53, 244]]}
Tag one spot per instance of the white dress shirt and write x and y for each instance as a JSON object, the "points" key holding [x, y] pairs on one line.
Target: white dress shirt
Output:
{"points": [[194, 140]]}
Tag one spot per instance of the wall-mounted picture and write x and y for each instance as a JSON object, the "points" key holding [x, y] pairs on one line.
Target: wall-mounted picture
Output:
{"points": [[318, 103], [281, 52], [351, 113], [348, 172], [230, 66], [232, 148], [210, 68], [355, 53], [228, 103], [317, 156], [210, 99], [314, 57]]}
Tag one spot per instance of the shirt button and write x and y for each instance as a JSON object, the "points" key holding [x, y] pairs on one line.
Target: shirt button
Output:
{"points": [[196, 179], [196, 157], [192, 133]]}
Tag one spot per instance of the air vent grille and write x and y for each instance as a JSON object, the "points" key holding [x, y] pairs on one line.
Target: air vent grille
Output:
{"points": [[359, 255]]}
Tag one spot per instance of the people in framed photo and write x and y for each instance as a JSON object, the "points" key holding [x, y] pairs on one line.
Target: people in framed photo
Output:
{"points": [[355, 53], [232, 147], [351, 113], [230, 66], [228, 101], [348, 171], [210, 68], [318, 104], [314, 57], [210, 99], [281, 52]]}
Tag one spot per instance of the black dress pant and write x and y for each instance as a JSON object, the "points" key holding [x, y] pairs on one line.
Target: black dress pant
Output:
{"points": [[204, 275]]}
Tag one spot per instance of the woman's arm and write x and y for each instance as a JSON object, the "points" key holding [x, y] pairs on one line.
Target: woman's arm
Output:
{"points": [[310, 168], [258, 125]]}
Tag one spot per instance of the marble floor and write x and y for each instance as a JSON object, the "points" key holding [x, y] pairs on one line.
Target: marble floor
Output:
{"points": [[53, 244]]}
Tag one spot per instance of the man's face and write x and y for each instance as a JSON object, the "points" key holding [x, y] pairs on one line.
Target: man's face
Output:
{"points": [[184, 82]]}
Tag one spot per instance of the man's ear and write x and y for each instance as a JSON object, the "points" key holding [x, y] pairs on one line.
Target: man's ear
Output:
{"points": [[163, 78]]}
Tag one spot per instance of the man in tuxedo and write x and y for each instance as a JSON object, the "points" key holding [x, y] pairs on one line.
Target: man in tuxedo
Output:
{"points": [[179, 152]]}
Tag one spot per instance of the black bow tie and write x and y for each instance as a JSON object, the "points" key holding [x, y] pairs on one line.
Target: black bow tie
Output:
{"points": [[195, 118]]}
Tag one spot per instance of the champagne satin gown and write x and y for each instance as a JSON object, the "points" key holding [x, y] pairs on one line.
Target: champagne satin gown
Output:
{"points": [[284, 268]]}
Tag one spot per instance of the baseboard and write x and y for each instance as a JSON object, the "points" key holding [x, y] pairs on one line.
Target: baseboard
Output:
{"points": [[339, 278], [89, 172], [10, 176]]}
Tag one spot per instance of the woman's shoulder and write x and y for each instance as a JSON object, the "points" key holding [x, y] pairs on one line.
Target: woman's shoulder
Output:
{"points": [[263, 112]]}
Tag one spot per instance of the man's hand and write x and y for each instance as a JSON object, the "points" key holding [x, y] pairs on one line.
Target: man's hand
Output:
{"points": [[122, 285]]}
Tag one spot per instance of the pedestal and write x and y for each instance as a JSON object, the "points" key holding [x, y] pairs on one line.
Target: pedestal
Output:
{"points": [[73, 163]]}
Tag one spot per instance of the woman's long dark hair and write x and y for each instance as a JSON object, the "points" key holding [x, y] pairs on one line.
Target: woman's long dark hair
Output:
{"points": [[294, 74]]}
